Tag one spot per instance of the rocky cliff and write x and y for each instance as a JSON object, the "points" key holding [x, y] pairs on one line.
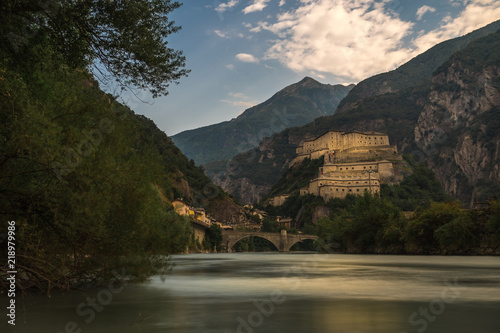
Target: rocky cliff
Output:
{"points": [[458, 130]]}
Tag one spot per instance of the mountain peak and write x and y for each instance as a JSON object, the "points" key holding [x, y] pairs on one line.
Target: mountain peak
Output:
{"points": [[307, 79]]}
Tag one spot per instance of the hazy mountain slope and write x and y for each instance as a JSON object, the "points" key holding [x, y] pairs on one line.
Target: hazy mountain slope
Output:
{"points": [[464, 89], [295, 105], [415, 72]]}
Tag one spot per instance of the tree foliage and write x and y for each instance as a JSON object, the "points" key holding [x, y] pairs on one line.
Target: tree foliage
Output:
{"points": [[370, 224], [213, 238], [87, 182], [126, 39]]}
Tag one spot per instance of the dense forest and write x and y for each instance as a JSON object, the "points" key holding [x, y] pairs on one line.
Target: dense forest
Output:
{"points": [[371, 224], [87, 182]]}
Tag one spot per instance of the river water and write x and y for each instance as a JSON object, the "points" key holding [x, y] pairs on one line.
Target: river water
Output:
{"points": [[273, 292]]}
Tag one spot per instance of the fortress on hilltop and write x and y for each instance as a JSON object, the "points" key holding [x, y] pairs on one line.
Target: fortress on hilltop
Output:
{"points": [[354, 162], [340, 144]]}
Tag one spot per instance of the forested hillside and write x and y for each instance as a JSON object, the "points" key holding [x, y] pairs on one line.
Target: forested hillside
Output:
{"points": [[87, 182]]}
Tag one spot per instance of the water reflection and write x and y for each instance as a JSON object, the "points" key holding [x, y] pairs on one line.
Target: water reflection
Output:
{"points": [[290, 293]]}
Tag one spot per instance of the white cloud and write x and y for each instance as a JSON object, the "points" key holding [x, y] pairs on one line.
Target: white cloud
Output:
{"points": [[423, 10], [355, 39], [346, 38], [475, 15], [239, 103], [282, 3], [230, 66], [256, 6], [227, 5], [239, 99], [220, 34], [245, 57]]}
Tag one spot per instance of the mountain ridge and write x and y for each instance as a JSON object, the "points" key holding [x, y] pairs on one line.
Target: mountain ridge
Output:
{"points": [[294, 105], [251, 174], [419, 68]]}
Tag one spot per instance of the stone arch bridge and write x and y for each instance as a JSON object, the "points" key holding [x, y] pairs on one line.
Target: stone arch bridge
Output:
{"points": [[282, 241]]}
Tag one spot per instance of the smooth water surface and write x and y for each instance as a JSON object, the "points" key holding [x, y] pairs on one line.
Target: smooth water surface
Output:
{"points": [[272, 292]]}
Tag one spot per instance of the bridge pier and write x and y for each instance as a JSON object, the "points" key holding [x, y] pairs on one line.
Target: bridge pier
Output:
{"points": [[283, 242]]}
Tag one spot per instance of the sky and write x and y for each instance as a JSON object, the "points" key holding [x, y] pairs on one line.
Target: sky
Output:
{"points": [[241, 52]]}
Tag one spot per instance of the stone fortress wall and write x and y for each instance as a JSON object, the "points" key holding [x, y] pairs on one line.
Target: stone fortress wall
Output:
{"points": [[346, 146], [355, 162]]}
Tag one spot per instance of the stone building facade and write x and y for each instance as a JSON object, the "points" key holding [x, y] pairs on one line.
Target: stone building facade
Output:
{"points": [[342, 145], [354, 162], [339, 180]]}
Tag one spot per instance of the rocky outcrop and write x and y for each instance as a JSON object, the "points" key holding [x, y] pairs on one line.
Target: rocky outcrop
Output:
{"points": [[227, 211], [456, 133]]}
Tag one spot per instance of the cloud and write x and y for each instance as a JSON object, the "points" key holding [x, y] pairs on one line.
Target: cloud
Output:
{"points": [[230, 66], [220, 34], [423, 10], [351, 39], [256, 6], [282, 2], [239, 99], [475, 15], [225, 6], [245, 57], [355, 39]]}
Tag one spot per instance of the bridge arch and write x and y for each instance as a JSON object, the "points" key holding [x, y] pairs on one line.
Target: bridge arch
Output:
{"points": [[259, 236], [235, 237], [293, 242]]}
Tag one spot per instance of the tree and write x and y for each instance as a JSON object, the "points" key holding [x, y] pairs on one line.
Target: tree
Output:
{"points": [[458, 235], [419, 232], [125, 39], [213, 238], [269, 225]]}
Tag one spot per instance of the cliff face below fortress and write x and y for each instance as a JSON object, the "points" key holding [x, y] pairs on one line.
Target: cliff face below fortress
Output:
{"points": [[458, 130]]}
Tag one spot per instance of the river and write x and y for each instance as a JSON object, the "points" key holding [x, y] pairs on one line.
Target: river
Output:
{"points": [[277, 292]]}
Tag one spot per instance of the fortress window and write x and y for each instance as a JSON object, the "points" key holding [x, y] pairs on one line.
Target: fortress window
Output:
{"points": [[342, 190], [357, 190], [364, 167], [350, 190]]}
